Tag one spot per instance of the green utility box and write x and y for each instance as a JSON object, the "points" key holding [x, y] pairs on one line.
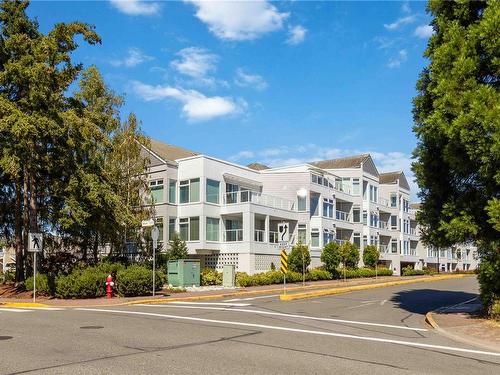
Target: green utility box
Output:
{"points": [[228, 276], [184, 272]]}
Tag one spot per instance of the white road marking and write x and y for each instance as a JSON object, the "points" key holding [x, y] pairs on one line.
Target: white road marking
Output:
{"points": [[210, 303], [251, 298], [362, 305], [258, 312], [298, 330], [46, 308], [383, 302], [9, 309]]}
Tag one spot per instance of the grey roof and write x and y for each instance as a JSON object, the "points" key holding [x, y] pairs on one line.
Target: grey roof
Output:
{"points": [[397, 177], [170, 152], [257, 166], [347, 162]]}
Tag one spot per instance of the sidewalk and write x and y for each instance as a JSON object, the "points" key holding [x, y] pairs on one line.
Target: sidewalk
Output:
{"points": [[463, 323], [216, 294]]}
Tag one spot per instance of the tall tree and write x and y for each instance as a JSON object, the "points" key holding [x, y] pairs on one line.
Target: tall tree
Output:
{"points": [[457, 123]]}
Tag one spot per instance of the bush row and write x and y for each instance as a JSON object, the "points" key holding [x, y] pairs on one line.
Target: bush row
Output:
{"points": [[90, 282], [409, 271], [212, 277]]}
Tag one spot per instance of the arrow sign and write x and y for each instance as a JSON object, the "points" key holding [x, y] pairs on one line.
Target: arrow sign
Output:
{"points": [[35, 242], [284, 233]]}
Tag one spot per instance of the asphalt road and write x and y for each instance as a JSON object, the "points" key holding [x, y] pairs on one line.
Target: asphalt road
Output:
{"points": [[378, 331]]}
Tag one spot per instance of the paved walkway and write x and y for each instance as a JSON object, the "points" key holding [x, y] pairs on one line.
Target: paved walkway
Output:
{"points": [[463, 323]]}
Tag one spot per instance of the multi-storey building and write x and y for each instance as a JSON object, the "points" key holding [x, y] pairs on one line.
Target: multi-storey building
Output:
{"points": [[229, 214]]}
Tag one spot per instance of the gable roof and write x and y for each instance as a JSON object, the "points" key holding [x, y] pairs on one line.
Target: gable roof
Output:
{"points": [[394, 178], [347, 162], [257, 166], [170, 152]]}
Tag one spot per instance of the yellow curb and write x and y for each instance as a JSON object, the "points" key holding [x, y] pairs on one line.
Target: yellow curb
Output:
{"points": [[22, 304], [327, 292], [430, 319]]}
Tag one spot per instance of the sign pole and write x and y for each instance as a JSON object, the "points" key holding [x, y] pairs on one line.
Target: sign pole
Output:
{"points": [[34, 276], [155, 232], [284, 283], [154, 269]]}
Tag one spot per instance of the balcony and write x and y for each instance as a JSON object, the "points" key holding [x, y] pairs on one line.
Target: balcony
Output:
{"points": [[248, 196], [259, 235], [382, 225], [383, 202], [339, 241], [273, 237], [344, 188], [413, 231], [342, 216], [383, 249], [233, 235]]}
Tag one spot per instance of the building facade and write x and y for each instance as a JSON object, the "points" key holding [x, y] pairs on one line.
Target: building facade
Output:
{"points": [[229, 214]]}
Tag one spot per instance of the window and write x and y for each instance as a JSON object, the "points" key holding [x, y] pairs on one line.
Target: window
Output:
{"points": [[212, 229], [159, 225], [374, 240], [171, 228], [394, 222], [406, 205], [156, 187], [301, 204], [373, 193], [356, 215], [328, 207], [314, 206], [314, 178], [302, 233], [394, 200], [373, 220], [357, 240], [172, 187], [327, 237], [365, 241], [189, 191], [189, 228], [314, 237], [365, 218], [212, 191], [394, 246], [355, 186]]}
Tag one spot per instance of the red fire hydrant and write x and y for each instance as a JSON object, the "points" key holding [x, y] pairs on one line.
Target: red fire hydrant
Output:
{"points": [[109, 286]]}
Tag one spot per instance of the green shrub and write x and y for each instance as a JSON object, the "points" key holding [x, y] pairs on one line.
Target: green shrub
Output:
{"points": [[210, 277], [366, 272], [7, 277], [330, 256], [318, 274], [299, 258], [370, 256], [409, 271], [137, 281], [495, 310], [45, 284]]}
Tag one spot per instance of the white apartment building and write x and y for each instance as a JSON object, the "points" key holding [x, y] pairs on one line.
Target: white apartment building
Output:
{"points": [[229, 214]]}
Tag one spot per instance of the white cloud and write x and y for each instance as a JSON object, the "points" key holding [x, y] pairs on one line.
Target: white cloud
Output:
{"points": [[196, 106], [396, 62], [196, 63], [400, 22], [136, 7], [297, 35], [405, 7], [134, 57], [424, 31], [239, 20], [244, 79]]}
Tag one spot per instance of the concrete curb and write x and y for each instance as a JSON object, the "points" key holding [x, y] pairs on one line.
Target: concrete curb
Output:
{"points": [[430, 320], [328, 292]]}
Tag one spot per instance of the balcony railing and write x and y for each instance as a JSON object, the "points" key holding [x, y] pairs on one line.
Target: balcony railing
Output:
{"points": [[382, 225], [259, 235], [413, 231], [344, 188], [248, 196], [342, 216], [339, 241], [233, 235], [384, 249], [383, 202]]}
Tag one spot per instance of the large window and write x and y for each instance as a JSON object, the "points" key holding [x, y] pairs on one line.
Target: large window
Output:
{"points": [[171, 228], [356, 215], [394, 200], [394, 222], [314, 238], [356, 190], [314, 206], [172, 187], [189, 191], [301, 203], [394, 246], [189, 228], [212, 229], [327, 236], [373, 220], [365, 218], [156, 187], [357, 239], [373, 193], [302, 233], [328, 207], [212, 191]]}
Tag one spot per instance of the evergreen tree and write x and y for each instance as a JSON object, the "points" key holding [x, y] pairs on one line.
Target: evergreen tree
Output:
{"points": [[178, 248], [299, 258], [330, 256], [457, 123], [371, 256]]}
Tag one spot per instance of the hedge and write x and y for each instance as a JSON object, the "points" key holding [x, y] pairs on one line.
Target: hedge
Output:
{"points": [[137, 281], [210, 276], [365, 272], [409, 271]]}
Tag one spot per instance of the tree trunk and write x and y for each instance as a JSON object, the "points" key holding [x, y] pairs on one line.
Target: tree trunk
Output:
{"points": [[26, 216], [18, 233], [96, 245]]}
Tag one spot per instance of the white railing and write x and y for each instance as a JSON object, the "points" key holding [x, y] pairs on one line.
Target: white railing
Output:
{"points": [[248, 196], [259, 235], [339, 241], [384, 249], [344, 188], [342, 215], [413, 231], [382, 225], [233, 235], [383, 202], [273, 237]]}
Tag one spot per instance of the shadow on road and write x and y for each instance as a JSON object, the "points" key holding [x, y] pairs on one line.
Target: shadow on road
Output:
{"points": [[421, 301]]}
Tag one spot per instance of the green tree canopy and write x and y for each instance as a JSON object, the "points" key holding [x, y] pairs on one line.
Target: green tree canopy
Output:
{"points": [[299, 258], [330, 256], [371, 256]]}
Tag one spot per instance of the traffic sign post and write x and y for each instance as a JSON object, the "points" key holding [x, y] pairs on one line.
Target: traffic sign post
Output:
{"points": [[35, 246], [155, 232], [284, 267]]}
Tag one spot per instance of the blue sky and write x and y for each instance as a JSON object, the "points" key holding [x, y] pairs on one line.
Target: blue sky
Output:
{"points": [[274, 82]]}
